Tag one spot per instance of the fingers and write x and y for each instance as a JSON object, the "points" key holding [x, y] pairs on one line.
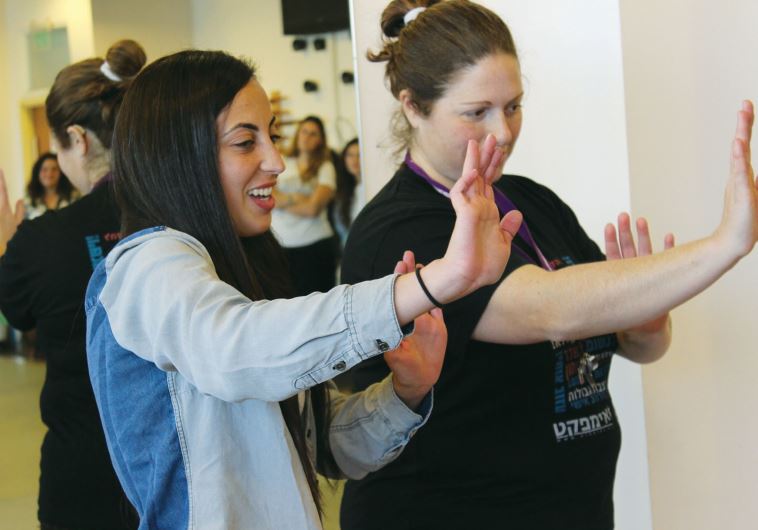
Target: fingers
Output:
{"points": [[410, 260], [436, 314], [644, 244], [407, 264], [487, 151], [741, 155], [471, 162], [492, 172], [19, 212], [510, 224], [626, 241], [612, 250], [3, 191], [668, 241]]}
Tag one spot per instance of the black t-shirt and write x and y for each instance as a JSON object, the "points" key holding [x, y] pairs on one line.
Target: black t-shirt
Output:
{"points": [[43, 278], [521, 437]]}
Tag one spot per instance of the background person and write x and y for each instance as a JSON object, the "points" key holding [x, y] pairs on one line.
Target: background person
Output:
{"points": [[303, 193], [48, 188]]}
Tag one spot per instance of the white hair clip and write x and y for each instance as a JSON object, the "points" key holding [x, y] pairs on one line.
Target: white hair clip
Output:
{"points": [[105, 68], [411, 15]]}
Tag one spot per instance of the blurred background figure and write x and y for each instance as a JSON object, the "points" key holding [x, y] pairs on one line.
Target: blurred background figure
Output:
{"points": [[48, 189], [303, 193], [344, 208]]}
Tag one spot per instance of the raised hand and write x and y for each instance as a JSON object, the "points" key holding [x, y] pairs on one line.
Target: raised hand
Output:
{"points": [[739, 224], [481, 242], [417, 362], [9, 218], [624, 247]]}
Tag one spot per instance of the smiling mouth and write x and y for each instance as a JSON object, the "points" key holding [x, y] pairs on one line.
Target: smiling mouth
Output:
{"points": [[260, 193]]}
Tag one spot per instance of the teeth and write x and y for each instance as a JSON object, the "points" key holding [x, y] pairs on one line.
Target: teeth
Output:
{"points": [[260, 192]]}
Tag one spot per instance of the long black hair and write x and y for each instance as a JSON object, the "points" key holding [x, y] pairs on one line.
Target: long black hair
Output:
{"points": [[36, 191], [165, 158], [346, 184]]}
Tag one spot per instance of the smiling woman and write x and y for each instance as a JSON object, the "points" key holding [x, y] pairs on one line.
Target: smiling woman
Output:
{"points": [[214, 395]]}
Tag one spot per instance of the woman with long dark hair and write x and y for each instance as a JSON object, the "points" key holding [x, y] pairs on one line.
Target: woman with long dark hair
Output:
{"points": [[210, 386], [343, 208], [524, 433], [304, 191], [48, 188], [43, 277]]}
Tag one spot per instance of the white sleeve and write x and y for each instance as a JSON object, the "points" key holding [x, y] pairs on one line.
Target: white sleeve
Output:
{"points": [[327, 176]]}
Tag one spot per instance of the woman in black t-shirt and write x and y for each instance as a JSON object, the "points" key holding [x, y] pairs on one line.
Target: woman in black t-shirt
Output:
{"points": [[43, 276], [523, 433]]}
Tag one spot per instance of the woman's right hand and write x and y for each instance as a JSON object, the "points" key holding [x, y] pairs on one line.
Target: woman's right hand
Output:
{"points": [[480, 245], [9, 218], [738, 230]]}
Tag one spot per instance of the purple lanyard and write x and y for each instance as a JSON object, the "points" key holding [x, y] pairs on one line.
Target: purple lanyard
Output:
{"points": [[504, 205]]}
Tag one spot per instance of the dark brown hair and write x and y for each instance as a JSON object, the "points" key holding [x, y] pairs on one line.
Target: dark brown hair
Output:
{"points": [[322, 154], [424, 55], [83, 95], [36, 191], [346, 183]]}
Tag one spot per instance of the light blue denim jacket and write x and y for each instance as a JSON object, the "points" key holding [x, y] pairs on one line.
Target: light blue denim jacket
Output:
{"points": [[188, 373]]}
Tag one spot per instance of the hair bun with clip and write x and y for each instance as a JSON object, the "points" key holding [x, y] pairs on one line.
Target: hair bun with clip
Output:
{"points": [[411, 15]]}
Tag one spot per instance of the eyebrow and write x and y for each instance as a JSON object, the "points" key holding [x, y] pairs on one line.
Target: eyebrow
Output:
{"points": [[487, 102], [248, 126]]}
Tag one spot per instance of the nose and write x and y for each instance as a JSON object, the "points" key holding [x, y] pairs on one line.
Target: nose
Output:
{"points": [[502, 130], [272, 160]]}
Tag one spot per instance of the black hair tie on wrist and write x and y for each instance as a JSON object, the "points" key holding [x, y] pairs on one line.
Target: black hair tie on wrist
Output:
{"points": [[426, 291]]}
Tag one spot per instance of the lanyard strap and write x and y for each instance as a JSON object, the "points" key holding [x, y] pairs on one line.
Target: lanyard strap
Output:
{"points": [[504, 205]]}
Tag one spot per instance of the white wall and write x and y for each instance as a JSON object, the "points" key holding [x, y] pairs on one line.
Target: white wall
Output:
{"points": [[161, 27], [254, 29], [20, 16], [6, 153], [687, 66], [573, 140]]}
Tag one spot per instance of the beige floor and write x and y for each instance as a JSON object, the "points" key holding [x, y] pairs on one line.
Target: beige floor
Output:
{"points": [[21, 434]]}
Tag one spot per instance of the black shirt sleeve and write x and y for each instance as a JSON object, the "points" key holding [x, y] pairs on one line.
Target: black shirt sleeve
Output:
{"points": [[20, 274]]}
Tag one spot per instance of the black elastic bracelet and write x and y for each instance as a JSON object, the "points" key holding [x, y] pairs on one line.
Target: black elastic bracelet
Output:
{"points": [[426, 291]]}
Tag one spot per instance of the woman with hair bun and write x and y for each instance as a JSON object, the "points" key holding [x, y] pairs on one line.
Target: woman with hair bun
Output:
{"points": [[43, 277], [524, 434]]}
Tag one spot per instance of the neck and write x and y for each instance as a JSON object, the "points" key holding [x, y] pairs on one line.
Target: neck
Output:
{"points": [[97, 167], [417, 155]]}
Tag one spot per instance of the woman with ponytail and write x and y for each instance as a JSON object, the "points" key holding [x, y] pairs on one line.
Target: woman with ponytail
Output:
{"points": [[43, 277], [524, 434], [213, 388]]}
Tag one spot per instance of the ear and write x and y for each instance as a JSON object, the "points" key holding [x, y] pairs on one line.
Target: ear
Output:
{"points": [[77, 136], [409, 108]]}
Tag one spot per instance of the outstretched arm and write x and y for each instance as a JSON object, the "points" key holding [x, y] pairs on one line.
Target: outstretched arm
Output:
{"points": [[576, 302]]}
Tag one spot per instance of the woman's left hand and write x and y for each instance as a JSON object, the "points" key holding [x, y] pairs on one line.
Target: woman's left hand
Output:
{"points": [[9, 218], [416, 364], [624, 247]]}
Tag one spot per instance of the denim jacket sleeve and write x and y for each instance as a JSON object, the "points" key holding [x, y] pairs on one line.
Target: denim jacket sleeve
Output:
{"points": [[166, 304], [369, 429]]}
